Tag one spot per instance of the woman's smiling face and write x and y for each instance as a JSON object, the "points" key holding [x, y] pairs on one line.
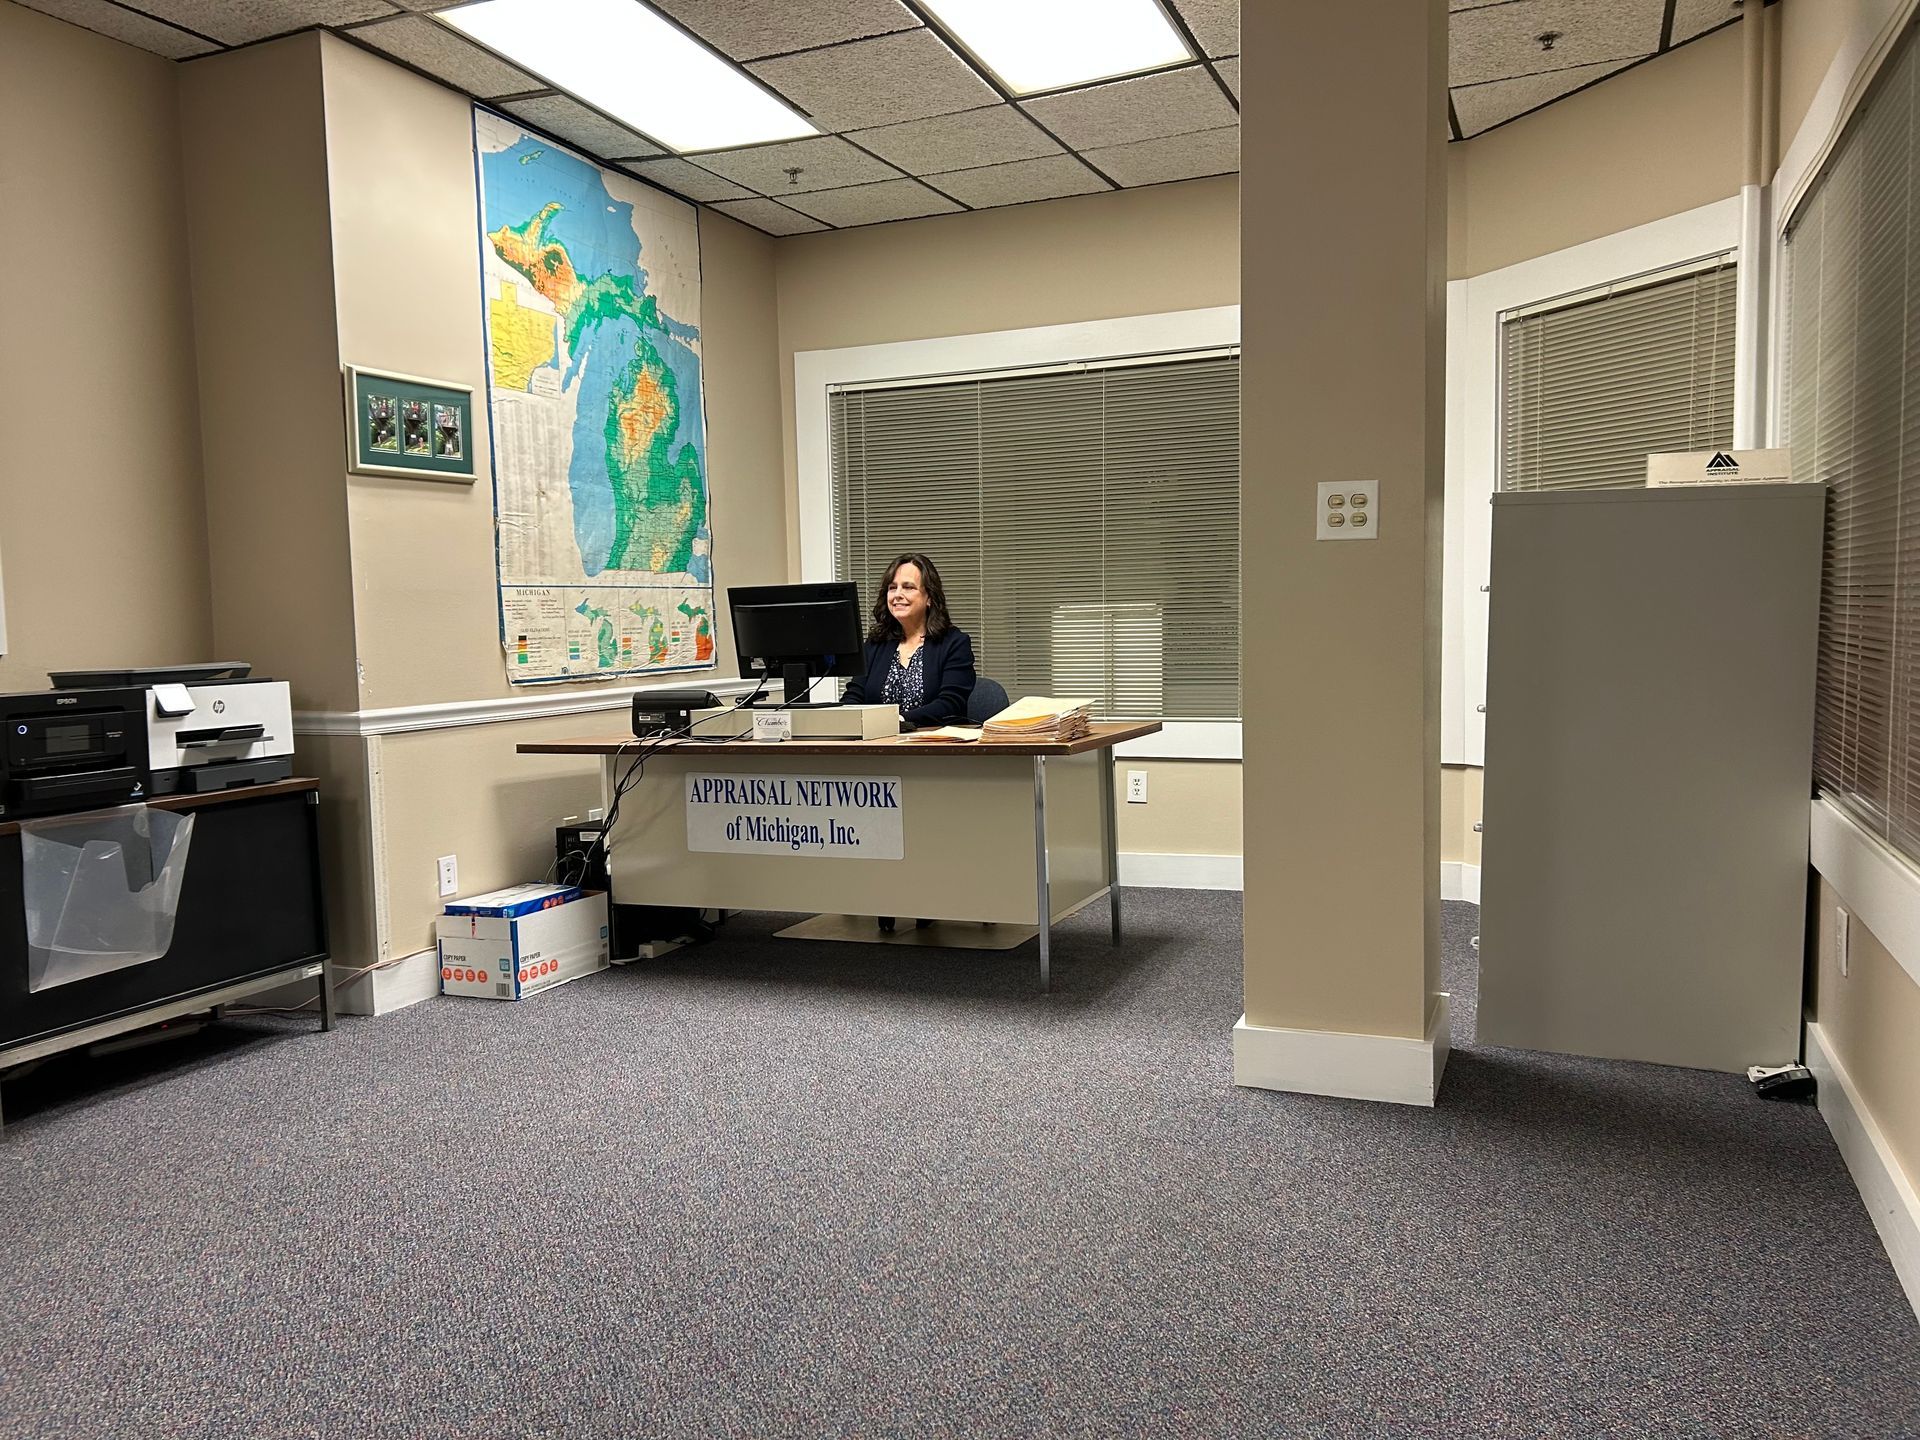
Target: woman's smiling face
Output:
{"points": [[907, 598]]}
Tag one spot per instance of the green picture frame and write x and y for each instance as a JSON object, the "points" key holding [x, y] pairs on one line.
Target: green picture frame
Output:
{"points": [[409, 427]]}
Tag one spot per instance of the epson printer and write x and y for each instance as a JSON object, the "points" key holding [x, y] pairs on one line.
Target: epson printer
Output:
{"points": [[209, 727]]}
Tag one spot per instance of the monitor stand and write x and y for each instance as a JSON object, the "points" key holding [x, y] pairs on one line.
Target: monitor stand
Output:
{"points": [[795, 682]]}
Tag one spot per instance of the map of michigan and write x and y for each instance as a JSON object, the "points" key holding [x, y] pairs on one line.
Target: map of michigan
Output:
{"points": [[593, 342]]}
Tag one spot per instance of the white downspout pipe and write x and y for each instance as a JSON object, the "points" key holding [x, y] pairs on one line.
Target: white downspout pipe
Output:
{"points": [[1753, 280]]}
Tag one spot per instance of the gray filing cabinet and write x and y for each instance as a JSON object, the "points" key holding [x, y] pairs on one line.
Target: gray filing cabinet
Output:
{"points": [[1650, 677]]}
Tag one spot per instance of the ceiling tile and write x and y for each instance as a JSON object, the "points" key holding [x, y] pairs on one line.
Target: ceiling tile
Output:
{"points": [[566, 117], [958, 142], [1173, 157], [137, 30], [1480, 107], [1501, 42], [443, 54], [748, 31], [687, 179], [1694, 18], [1174, 102], [1047, 178], [235, 22], [766, 215], [1215, 24], [868, 204], [1230, 72], [825, 163], [878, 82]]}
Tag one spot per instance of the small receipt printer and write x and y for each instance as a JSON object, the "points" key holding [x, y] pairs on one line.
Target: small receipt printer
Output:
{"points": [[659, 713]]}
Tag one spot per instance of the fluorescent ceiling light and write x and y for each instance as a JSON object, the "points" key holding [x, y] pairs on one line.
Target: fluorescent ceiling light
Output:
{"points": [[1046, 44], [620, 57]]}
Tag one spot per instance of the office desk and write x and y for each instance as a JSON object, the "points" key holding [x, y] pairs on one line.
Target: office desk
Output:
{"points": [[1008, 832], [250, 918]]}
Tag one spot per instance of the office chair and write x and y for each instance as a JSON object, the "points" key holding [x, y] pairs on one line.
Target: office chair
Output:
{"points": [[988, 699]]}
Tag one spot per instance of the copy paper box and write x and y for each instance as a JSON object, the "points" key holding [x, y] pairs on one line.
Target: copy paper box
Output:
{"points": [[509, 957]]}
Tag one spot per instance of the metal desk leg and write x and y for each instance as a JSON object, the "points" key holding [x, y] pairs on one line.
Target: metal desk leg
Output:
{"points": [[325, 982], [1110, 811], [1042, 891]]}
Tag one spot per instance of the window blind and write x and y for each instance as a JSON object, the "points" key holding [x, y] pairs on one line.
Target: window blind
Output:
{"points": [[1086, 523], [1589, 388], [1852, 388]]}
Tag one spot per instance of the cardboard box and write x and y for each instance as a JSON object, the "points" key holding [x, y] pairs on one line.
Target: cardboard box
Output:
{"points": [[509, 957]]}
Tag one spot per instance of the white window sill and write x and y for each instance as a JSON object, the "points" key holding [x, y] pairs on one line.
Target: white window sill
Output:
{"points": [[1879, 885], [1186, 740]]}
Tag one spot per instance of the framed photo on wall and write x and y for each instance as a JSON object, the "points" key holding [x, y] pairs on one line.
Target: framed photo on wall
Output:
{"points": [[409, 427]]}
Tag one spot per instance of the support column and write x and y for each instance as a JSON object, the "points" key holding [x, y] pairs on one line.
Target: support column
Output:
{"points": [[1343, 284]]}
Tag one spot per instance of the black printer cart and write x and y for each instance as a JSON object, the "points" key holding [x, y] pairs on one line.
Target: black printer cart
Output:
{"points": [[252, 916]]}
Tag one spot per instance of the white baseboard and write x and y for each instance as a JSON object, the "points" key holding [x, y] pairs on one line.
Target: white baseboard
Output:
{"points": [[1459, 881], [1182, 872], [1889, 1195], [405, 982], [1355, 1067]]}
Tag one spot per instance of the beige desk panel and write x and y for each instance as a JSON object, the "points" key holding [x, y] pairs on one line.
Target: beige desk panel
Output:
{"points": [[967, 828], [1076, 843]]}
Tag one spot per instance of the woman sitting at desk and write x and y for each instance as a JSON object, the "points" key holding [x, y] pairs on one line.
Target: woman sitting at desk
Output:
{"points": [[916, 659]]}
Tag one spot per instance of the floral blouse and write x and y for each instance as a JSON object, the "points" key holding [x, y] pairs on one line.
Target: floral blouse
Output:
{"points": [[906, 684]]}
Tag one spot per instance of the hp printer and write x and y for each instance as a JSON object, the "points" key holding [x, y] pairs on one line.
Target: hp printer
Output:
{"points": [[209, 727]]}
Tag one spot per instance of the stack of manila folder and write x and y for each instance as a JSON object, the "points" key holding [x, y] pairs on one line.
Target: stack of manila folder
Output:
{"points": [[1038, 717]]}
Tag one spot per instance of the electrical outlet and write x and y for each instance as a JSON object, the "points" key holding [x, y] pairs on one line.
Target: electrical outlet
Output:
{"points": [[449, 875], [1136, 787], [1842, 931], [595, 813], [1349, 510]]}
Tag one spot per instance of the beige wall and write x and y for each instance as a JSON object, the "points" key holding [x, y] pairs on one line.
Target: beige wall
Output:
{"points": [[271, 411], [1656, 140], [1810, 33], [1192, 807], [465, 792], [1460, 790], [1342, 330], [423, 579], [1871, 1018], [103, 530], [425, 601]]}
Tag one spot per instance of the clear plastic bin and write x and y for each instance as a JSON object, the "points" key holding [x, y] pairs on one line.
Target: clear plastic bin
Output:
{"points": [[101, 889]]}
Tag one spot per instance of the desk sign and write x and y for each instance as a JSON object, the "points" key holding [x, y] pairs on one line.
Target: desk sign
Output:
{"points": [[839, 817]]}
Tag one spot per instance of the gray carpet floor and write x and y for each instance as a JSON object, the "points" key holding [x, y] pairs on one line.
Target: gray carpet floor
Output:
{"points": [[771, 1188]]}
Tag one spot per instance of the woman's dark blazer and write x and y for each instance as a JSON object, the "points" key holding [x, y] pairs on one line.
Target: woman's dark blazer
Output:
{"points": [[946, 667]]}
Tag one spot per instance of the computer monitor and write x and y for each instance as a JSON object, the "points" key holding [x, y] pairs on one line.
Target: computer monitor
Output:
{"points": [[797, 632]]}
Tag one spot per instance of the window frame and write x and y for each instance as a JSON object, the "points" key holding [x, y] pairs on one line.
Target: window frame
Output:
{"points": [[1475, 307], [816, 372]]}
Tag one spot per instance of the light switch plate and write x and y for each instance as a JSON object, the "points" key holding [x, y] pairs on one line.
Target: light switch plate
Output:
{"points": [[1349, 510]]}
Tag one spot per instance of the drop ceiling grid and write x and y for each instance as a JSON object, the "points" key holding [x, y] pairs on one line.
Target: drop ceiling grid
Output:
{"points": [[912, 122]]}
